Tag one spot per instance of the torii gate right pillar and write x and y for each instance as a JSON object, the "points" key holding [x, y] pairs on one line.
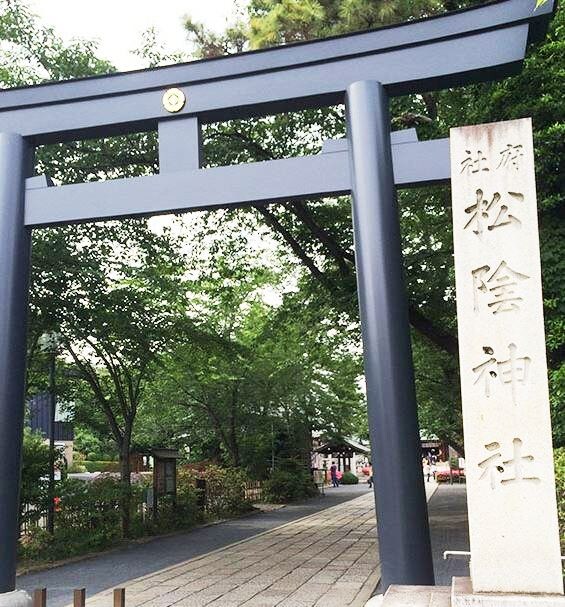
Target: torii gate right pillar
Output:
{"points": [[404, 539]]}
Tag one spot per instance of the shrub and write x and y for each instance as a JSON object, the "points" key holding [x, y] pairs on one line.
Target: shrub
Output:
{"points": [[35, 468], [89, 513], [35, 545], [77, 467], [88, 516], [87, 519], [284, 486], [444, 476], [225, 489], [101, 466], [349, 479], [34, 497]]}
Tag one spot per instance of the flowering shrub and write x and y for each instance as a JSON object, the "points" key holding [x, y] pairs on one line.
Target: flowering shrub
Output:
{"points": [[88, 516], [443, 476], [35, 469]]}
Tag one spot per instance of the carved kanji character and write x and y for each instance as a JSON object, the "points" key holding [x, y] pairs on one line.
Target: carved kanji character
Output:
{"points": [[511, 156], [494, 467], [514, 370], [492, 214], [502, 284], [474, 164]]}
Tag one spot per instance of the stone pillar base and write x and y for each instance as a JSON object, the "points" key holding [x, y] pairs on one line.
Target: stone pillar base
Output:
{"points": [[413, 596], [462, 596], [459, 595], [17, 598]]}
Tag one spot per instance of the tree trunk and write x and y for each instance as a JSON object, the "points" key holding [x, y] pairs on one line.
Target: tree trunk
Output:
{"points": [[234, 444], [234, 450], [125, 479]]}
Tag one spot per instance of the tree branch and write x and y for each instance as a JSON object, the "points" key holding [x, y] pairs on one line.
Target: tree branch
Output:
{"points": [[273, 222], [89, 374], [339, 254], [446, 341]]}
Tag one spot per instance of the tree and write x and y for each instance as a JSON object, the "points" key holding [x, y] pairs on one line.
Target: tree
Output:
{"points": [[317, 233], [248, 373], [256, 356], [116, 314], [283, 21], [103, 286]]}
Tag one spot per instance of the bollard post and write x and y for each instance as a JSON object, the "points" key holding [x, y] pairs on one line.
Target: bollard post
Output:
{"points": [[40, 597], [79, 597], [119, 597]]}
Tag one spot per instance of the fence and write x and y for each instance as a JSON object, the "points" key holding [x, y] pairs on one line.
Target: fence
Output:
{"points": [[213, 499], [31, 517], [254, 491]]}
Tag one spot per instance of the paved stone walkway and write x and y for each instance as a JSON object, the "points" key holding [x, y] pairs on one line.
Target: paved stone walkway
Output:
{"points": [[449, 530], [118, 567], [327, 559]]}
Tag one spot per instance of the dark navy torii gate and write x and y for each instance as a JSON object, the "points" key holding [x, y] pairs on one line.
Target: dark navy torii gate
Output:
{"points": [[361, 70]]}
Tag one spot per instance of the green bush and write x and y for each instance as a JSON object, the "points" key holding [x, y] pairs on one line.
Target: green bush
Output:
{"points": [[101, 466], [559, 459], [35, 469], [92, 447], [172, 517], [225, 489], [88, 515], [77, 467], [284, 486], [87, 519], [35, 545], [349, 479]]}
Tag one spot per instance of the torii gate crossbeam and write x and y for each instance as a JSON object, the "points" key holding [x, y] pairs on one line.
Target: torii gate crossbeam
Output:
{"points": [[362, 70]]}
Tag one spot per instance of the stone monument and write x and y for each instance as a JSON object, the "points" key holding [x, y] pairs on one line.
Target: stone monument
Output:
{"points": [[513, 526]]}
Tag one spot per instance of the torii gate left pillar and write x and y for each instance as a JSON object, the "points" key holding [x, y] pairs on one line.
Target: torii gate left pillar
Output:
{"points": [[15, 165]]}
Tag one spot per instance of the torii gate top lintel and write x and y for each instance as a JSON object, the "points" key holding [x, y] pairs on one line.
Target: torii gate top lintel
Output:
{"points": [[456, 48]]}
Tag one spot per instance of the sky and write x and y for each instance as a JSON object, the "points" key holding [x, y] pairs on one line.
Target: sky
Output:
{"points": [[118, 24]]}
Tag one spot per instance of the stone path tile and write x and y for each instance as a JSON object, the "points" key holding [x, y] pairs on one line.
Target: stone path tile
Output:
{"points": [[329, 558]]}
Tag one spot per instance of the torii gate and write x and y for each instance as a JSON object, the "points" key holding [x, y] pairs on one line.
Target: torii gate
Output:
{"points": [[362, 70]]}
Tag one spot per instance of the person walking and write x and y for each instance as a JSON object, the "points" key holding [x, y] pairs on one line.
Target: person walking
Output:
{"points": [[427, 469], [370, 479], [333, 474]]}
